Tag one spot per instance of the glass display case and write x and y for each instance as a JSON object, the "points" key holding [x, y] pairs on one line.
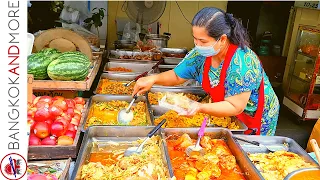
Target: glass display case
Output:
{"points": [[303, 93]]}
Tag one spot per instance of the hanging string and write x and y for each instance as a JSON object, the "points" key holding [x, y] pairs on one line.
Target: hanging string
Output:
{"points": [[182, 13]]}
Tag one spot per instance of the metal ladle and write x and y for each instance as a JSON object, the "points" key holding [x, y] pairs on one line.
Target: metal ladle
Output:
{"points": [[138, 150], [125, 115]]}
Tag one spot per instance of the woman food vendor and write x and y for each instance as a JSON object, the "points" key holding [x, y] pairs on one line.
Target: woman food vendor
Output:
{"points": [[227, 69]]}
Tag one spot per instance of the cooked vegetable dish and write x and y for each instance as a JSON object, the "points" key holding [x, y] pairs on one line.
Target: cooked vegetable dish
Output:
{"points": [[154, 97], [277, 165], [114, 87], [106, 113], [110, 163], [120, 69], [175, 120]]}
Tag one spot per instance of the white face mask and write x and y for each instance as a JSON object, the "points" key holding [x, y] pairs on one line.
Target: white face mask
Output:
{"points": [[207, 51]]}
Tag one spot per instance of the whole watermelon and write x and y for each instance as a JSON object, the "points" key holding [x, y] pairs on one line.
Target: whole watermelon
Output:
{"points": [[49, 51], [38, 63], [69, 66]]}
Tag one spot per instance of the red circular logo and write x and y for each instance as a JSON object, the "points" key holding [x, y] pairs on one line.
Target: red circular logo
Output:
{"points": [[13, 166]]}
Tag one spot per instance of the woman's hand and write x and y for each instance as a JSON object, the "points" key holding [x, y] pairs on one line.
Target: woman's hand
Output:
{"points": [[194, 109], [143, 84]]}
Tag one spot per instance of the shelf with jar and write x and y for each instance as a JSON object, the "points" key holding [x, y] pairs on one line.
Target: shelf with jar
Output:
{"points": [[303, 94]]}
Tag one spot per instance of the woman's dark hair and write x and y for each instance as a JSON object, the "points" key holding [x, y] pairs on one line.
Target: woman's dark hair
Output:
{"points": [[217, 23]]}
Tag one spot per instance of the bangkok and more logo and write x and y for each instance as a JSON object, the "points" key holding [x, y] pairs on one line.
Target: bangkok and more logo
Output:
{"points": [[13, 166]]}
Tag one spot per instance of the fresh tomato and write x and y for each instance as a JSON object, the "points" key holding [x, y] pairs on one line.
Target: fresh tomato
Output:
{"points": [[70, 112], [77, 117], [57, 98], [42, 104], [55, 111], [41, 130], [57, 129], [63, 121], [79, 107], [32, 111], [71, 134], [50, 140], [47, 99], [79, 100], [75, 121], [70, 102], [34, 140], [30, 105], [61, 104], [65, 140], [31, 123], [49, 122], [42, 114], [72, 127], [35, 101], [67, 117]]}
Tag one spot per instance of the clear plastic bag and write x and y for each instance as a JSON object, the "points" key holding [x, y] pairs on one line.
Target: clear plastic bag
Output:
{"points": [[178, 102], [130, 34]]}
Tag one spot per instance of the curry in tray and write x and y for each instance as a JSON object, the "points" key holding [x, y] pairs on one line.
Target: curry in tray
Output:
{"points": [[218, 163]]}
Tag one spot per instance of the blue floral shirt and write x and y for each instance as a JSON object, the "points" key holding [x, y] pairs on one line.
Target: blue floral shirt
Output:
{"points": [[244, 74]]}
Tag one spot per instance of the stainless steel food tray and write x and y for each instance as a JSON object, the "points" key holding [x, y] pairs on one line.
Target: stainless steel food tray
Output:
{"points": [[111, 59], [123, 77], [196, 91], [165, 67], [274, 141], [174, 50], [250, 172], [101, 135], [172, 60], [190, 83], [116, 54], [157, 111], [107, 98], [136, 67]]}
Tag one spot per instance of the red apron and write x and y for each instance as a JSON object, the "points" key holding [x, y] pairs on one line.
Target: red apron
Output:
{"points": [[217, 93]]}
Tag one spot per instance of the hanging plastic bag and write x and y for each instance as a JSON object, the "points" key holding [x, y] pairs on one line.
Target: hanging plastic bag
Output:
{"points": [[127, 32], [131, 33]]}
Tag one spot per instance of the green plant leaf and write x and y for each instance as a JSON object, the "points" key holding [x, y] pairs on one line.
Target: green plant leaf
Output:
{"points": [[96, 20], [101, 12], [94, 9], [88, 20]]}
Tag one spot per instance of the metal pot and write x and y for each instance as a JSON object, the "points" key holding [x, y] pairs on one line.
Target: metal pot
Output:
{"points": [[304, 171], [124, 44], [161, 41]]}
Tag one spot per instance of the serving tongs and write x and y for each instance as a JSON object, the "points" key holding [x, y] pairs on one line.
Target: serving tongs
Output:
{"points": [[145, 73], [270, 148]]}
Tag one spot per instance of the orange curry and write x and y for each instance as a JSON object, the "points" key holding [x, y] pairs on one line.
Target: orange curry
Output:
{"points": [[218, 163]]}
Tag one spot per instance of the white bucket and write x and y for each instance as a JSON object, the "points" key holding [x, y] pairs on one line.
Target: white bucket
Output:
{"points": [[30, 40]]}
